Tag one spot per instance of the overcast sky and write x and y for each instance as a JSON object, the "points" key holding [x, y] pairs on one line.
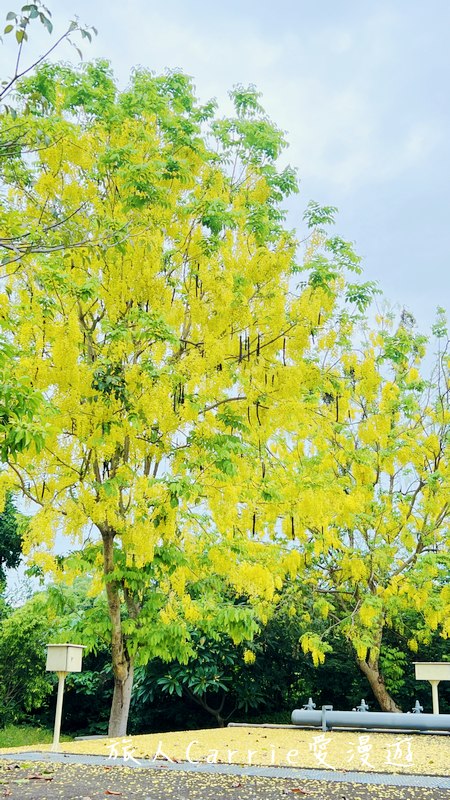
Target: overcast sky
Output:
{"points": [[360, 87]]}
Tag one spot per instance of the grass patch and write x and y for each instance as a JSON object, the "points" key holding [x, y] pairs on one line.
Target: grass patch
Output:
{"points": [[25, 735]]}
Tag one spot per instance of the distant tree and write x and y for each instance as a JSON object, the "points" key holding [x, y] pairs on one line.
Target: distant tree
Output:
{"points": [[215, 678], [25, 685], [373, 525], [10, 538]]}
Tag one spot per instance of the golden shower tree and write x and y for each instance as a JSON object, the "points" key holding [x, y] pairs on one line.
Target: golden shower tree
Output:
{"points": [[162, 325]]}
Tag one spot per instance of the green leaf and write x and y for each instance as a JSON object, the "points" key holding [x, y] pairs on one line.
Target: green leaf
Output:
{"points": [[439, 328], [8, 29], [316, 214], [361, 294]]}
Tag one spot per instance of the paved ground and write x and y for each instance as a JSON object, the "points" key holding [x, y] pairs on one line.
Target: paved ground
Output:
{"points": [[64, 778]]}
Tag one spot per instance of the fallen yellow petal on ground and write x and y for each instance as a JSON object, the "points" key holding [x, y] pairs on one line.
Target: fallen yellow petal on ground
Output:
{"points": [[312, 749]]}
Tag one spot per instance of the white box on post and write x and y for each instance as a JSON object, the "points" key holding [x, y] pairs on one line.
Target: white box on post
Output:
{"points": [[434, 672], [62, 658]]}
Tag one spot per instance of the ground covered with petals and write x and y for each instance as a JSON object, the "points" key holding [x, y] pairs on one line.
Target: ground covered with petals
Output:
{"points": [[342, 750]]}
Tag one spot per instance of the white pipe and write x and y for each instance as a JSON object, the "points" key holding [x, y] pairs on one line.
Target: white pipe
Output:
{"points": [[328, 719]]}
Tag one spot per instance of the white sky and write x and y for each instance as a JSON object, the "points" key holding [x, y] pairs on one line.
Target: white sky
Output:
{"points": [[360, 87]]}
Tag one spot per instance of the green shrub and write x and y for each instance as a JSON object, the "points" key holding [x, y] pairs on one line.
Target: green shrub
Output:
{"points": [[24, 685]]}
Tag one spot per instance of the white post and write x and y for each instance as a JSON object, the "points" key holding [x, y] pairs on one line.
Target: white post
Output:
{"points": [[58, 715], [435, 696]]}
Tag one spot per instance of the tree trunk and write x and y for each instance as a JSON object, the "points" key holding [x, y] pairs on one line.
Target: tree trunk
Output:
{"points": [[122, 663], [120, 705], [372, 672]]}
